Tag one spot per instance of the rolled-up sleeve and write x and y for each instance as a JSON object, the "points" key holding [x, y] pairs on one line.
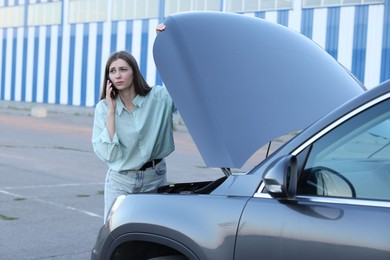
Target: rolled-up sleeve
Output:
{"points": [[106, 149]]}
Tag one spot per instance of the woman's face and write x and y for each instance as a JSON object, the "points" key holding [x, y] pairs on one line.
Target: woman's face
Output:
{"points": [[121, 74]]}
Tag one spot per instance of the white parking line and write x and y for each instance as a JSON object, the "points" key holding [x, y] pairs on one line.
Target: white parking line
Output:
{"points": [[51, 186], [15, 195]]}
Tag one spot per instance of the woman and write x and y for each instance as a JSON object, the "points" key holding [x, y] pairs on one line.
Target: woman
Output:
{"points": [[132, 131]]}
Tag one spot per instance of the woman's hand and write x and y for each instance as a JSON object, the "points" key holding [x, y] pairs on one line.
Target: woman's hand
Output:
{"points": [[161, 27], [111, 103]]}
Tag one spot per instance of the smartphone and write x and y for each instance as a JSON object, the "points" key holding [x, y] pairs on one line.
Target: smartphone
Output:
{"points": [[114, 91]]}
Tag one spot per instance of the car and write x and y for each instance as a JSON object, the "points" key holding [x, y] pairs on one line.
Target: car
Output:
{"points": [[240, 82]]}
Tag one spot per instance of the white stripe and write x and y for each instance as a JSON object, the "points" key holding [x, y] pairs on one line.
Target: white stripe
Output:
{"points": [[105, 45], [8, 63], [136, 41], [294, 16], [30, 63], [15, 195], [121, 36], [77, 66], [151, 67], [319, 26], [52, 186], [345, 45], [19, 64], [249, 14], [41, 63], [271, 16], [374, 46], [90, 92], [53, 64]]}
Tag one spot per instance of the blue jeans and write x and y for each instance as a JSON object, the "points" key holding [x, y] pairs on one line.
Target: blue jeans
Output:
{"points": [[127, 182]]}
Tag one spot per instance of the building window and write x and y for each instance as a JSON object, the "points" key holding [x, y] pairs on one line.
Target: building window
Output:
{"points": [[177, 6], [134, 9], [12, 16], [242, 6], [83, 11], [44, 13], [327, 3]]}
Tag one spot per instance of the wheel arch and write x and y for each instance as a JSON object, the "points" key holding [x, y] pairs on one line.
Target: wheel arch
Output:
{"points": [[160, 243]]}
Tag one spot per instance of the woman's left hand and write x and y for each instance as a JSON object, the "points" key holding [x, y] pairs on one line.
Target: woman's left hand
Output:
{"points": [[109, 96], [161, 27]]}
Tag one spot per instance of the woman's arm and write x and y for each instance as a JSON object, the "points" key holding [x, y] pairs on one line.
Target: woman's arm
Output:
{"points": [[105, 144]]}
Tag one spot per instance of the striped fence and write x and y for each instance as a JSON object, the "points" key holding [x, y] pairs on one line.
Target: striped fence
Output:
{"points": [[63, 64]]}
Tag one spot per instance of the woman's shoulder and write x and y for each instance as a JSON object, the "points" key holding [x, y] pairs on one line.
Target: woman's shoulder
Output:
{"points": [[160, 91], [101, 106]]}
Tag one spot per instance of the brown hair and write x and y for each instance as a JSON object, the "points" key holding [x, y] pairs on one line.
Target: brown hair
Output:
{"points": [[140, 85]]}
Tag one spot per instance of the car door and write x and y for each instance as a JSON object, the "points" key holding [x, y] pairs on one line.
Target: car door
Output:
{"points": [[341, 209]]}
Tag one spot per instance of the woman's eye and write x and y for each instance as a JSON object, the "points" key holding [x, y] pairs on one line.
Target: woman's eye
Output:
{"points": [[123, 70], [112, 72]]}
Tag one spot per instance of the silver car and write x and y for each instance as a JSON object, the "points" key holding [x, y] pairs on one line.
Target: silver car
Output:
{"points": [[240, 82]]}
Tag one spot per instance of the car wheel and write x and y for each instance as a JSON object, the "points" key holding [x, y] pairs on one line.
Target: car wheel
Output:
{"points": [[169, 257]]}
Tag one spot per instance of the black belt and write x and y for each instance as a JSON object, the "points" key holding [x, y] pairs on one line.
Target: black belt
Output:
{"points": [[150, 164]]}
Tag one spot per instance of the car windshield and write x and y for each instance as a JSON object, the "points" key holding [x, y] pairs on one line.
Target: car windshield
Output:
{"points": [[363, 137], [352, 160]]}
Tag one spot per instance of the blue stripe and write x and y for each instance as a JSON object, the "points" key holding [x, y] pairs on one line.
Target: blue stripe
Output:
{"points": [[144, 47], [129, 35], [84, 66], [332, 31], [72, 43], [47, 66], [59, 55], [385, 63], [3, 52], [360, 42], [114, 33], [260, 14], [59, 65], [24, 64], [99, 47], [13, 68], [283, 17], [35, 66], [307, 23], [24, 58], [161, 10]]}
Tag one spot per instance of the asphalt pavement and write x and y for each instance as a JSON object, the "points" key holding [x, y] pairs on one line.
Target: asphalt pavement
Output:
{"points": [[52, 184]]}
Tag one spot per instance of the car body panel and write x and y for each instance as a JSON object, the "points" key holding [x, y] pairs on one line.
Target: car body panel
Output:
{"points": [[313, 230], [237, 89], [239, 218], [210, 237]]}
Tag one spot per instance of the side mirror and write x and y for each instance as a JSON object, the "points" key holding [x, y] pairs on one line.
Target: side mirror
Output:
{"points": [[280, 178]]}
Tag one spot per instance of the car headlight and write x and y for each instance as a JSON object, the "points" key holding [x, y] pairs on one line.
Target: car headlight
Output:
{"points": [[117, 202]]}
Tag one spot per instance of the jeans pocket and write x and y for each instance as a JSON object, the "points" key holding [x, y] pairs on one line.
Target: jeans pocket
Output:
{"points": [[161, 168]]}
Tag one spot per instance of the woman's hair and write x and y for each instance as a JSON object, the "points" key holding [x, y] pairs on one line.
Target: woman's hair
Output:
{"points": [[140, 85]]}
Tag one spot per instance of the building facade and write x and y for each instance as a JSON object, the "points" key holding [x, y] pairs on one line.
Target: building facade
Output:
{"points": [[54, 51]]}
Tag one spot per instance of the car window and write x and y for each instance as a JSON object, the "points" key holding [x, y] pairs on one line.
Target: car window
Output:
{"points": [[352, 160]]}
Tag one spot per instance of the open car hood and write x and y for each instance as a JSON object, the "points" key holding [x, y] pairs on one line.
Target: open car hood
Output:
{"points": [[239, 82]]}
